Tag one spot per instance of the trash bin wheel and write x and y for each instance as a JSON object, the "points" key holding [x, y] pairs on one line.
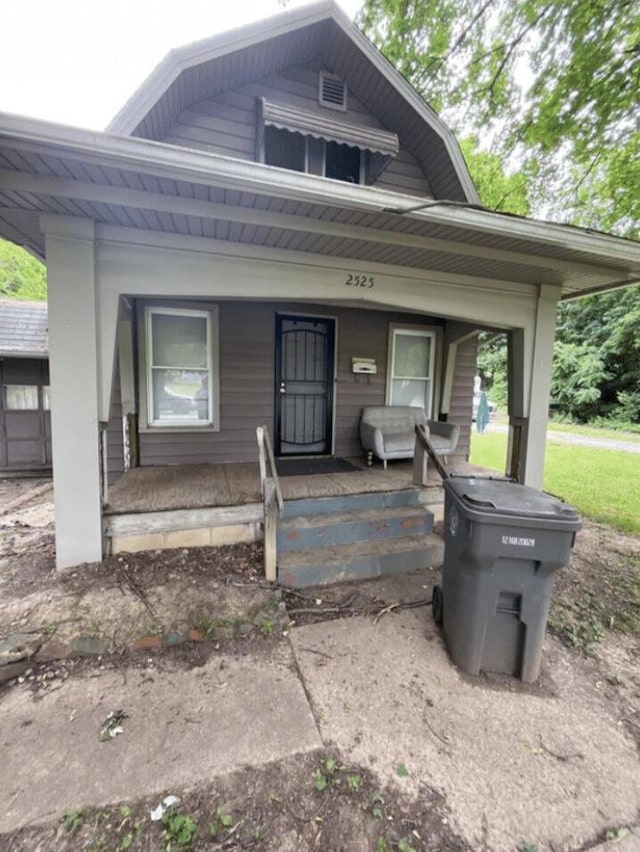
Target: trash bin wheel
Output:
{"points": [[437, 604]]}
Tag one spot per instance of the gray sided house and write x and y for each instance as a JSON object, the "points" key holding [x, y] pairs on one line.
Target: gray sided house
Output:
{"points": [[25, 416], [275, 230]]}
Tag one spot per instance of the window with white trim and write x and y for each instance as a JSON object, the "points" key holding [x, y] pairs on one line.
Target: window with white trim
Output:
{"points": [[410, 371], [182, 378]]}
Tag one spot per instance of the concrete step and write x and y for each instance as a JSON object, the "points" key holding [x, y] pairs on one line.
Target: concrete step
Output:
{"points": [[329, 530], [351, 502], [359, 560]]}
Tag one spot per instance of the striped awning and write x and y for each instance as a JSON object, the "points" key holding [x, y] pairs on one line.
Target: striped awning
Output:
{"points": [[326, 126]]}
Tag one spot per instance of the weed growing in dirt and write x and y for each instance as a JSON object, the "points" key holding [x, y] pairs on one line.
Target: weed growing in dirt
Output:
{"points": [[351, 811], [180, 829], [596, 599], [72, 821], [222, 820], [267, 628]]}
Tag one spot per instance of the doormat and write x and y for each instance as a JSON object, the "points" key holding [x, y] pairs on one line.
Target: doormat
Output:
{"points": [[309, 467]]}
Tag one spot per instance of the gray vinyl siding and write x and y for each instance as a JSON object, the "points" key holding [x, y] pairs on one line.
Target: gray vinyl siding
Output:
{"points": [[247, 367], [461, 408], [115, 443], [226, 124]]}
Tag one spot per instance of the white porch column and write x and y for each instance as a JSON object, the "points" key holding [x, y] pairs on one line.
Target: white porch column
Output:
{"points": [[74, 389], [531, 357]]}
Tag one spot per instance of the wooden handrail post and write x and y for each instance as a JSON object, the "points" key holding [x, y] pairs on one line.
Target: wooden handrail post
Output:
{"points": [[419, 462], [423, 442], [272, 501], [270, 528], [261, 457]]}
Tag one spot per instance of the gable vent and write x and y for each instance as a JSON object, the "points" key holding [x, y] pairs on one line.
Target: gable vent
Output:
{"points": [[333, 92]]}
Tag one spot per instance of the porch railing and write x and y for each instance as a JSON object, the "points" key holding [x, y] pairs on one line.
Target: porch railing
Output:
{"points": [[272, 500]]}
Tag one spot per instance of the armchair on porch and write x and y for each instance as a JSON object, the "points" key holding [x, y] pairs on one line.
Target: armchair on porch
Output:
{"points": [[388, 432]]}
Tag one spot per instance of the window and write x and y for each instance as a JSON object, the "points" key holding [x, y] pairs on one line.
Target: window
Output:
{"points": [[285, 149], [181, 383], [46, 397], [300, 153], [342, 162], [410, 374], [21, 397]]}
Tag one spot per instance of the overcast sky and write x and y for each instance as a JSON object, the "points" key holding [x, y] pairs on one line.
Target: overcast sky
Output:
{"points": [[78, 61]]}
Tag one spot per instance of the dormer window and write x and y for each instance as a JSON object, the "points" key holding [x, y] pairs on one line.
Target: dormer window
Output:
{"points": [[332, 92], [318, 144]]}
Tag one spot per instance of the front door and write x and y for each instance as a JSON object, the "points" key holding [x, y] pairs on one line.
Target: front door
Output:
{"points": [[304, 385]]}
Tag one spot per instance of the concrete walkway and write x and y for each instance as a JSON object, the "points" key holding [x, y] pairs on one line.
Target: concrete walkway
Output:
{"points": [[183, 727], [549, 766]]}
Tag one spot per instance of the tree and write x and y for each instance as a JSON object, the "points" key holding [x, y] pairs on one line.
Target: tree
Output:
{"points": [[498, 190], [21, 275], [555, 82], [610, 323]]}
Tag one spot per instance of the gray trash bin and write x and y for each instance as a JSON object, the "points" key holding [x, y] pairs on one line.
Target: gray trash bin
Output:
{"points": [[503, 544]]}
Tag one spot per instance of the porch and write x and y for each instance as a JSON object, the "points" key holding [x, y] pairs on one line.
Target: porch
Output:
{"points": [[216, 504]]}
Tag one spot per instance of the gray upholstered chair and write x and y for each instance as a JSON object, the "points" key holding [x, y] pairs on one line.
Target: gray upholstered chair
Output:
{"points": [[388, 432]]}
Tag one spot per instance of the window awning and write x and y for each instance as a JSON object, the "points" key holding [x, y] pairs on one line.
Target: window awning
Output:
{"points": [[329, 128]]}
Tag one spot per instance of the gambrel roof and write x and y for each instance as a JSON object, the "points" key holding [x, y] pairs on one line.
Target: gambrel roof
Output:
{"points": [[319, 33], [125, 181]]}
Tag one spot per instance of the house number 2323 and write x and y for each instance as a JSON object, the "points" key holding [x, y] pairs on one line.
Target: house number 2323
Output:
{"points": [[360, 281]]}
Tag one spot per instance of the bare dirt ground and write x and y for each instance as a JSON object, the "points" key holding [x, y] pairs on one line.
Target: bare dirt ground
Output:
{"points": [[218, 600]]}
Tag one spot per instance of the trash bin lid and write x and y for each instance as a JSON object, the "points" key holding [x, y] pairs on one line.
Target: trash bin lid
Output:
{"points": [[496, 496]]}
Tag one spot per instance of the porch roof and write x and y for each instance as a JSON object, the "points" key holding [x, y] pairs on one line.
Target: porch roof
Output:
{"points": [[123, 182]]}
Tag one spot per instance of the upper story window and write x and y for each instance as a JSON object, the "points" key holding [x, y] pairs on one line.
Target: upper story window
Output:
{"points": [[342, 162], [285, 149], [315, 156], [322, 144]]}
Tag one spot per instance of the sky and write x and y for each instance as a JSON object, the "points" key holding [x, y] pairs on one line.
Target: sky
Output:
{"points": [[78, 61]]}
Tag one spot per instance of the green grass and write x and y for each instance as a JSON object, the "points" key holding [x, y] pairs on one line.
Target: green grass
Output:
{"points": [[601, 484]]}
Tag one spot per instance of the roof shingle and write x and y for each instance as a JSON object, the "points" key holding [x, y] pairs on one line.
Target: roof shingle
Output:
{"points": [[24, 329]]}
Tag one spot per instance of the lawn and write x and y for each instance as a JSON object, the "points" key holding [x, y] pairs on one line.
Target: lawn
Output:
{"points": [[601, 484]]}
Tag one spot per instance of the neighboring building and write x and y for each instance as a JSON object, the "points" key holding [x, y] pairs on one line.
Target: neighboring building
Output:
{"points": [[270, 205], [25, 419]]}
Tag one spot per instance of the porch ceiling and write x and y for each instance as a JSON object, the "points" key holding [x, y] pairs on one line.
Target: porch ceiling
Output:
{"points": [[149, 186]]}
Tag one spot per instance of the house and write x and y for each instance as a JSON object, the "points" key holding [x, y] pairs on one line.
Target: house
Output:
{"points": [[275, 230], [25, 416]]}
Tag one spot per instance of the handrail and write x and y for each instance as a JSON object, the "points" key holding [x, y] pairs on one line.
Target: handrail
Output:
{"points": [[271, 498], [265, 454], [424, 445]]}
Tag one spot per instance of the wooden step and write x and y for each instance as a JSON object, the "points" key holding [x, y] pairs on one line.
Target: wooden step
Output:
{"points": [[329, 530], [359, 560], [351, 502]]}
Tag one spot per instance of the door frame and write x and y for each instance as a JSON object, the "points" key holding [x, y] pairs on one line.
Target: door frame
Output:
{"points": [[331, 381]]}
